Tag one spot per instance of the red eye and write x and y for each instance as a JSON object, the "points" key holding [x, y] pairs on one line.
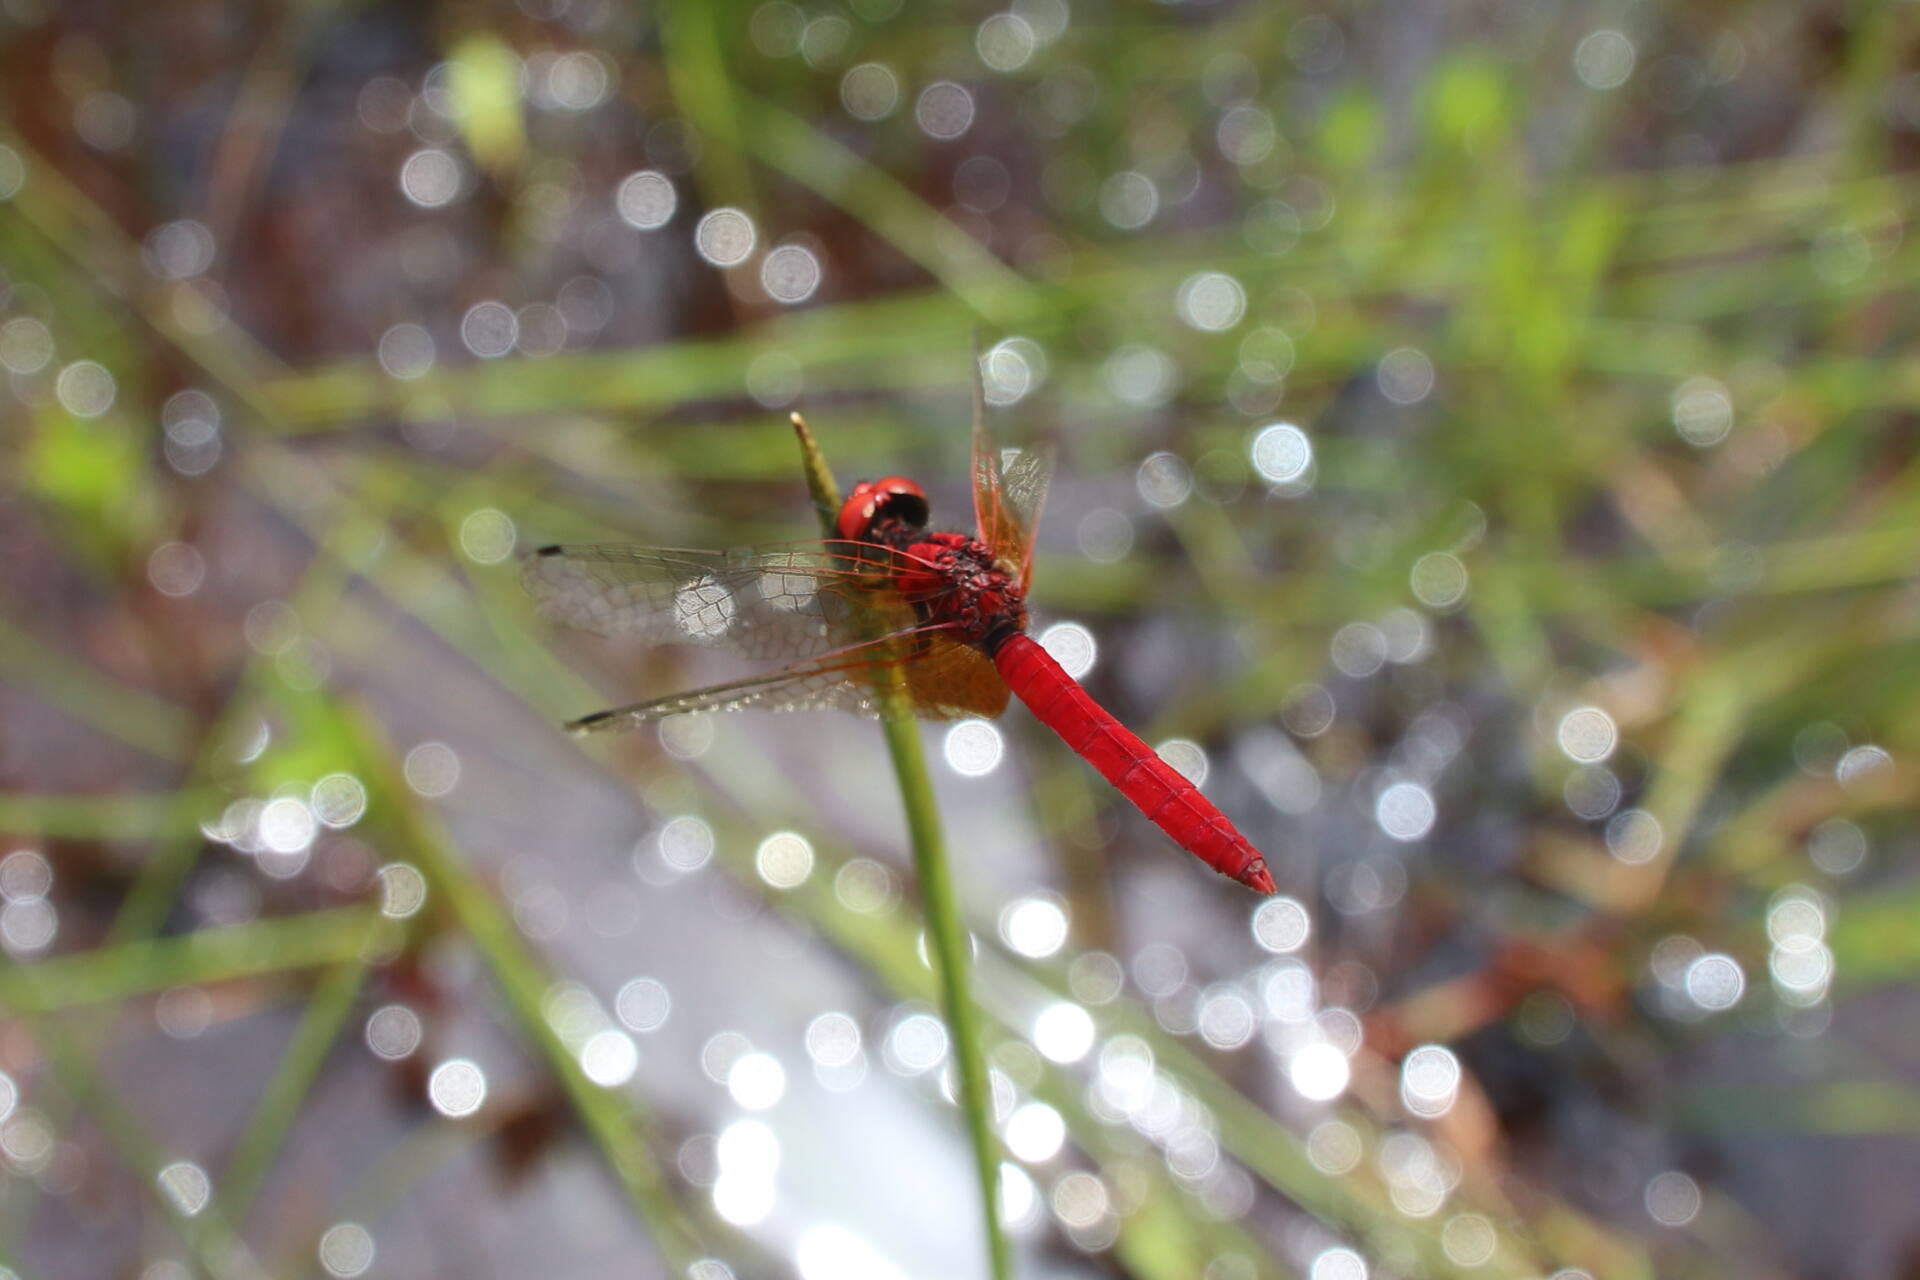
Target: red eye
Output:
{"points": [[870, 499], [856, 513]]}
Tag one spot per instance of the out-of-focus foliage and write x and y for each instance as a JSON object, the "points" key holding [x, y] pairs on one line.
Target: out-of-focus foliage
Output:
{"points": [[1486, 441]]}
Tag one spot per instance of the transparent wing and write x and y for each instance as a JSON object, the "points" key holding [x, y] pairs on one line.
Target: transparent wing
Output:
{"points": [[946, 680], [790, 601], [1007, 495], [828, 609], [1023, 491]]}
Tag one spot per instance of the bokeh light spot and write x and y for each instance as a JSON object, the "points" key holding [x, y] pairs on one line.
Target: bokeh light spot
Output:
{"points": [[1405, 811], [834, 1253], [457, 1087], [186, 1187], [346, 1250], [1672, 1198], [757, 1081], [1468, 1239], [1129, 200], [784, 860], [1004, 42], [406, 351], [85, 389], [686, 843], [1281, 925], [743, 1201], [338, 800], [833, 1040], [1212, 301], [917, 1044], [1225, 1019], [944, 110], [1072, 646], [432, 769], [1019, 1198], [1035, 1133], [393, 1032], [431, 178], [1319, 1072], [1337, 1264], [646, 200], [1358, 650], [176, 569], [1702, 412], [1063, 1032], [1164, 480], [1587, 735], [25, 876], [1281, 453], [609, 1058], [973, 748], [1035, 926], [1439, 580], [1860, 763], [26, 345], [1429, 1080], [870, 91], [179, 250], [1715, 982], [487, 535], [866, 887], [643, 1004], [790, 273], [1603, 59], [1142, 376], [1334, 1147], [1405, 375], [403, 890], [1837, 846], [1188, 758], [725, 237], [489, 329]]}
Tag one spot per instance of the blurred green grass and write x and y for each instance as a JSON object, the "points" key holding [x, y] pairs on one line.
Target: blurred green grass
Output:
{"points": [[1716, 601]]}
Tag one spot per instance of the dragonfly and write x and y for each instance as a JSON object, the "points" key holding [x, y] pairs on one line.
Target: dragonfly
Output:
{"points": [[886, 608]]}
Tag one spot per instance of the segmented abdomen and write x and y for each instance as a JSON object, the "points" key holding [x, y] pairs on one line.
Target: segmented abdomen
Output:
{"points": [[1156, 788]]}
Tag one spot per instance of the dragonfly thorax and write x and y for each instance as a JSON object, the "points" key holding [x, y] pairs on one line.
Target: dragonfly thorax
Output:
{"points": [[961, 583]]}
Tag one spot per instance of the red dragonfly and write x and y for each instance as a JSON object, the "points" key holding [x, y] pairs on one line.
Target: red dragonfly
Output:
{"points": [[947, 611]]}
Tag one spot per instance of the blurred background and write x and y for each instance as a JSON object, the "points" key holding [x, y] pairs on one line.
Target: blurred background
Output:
{"points": [[1487, 459]]}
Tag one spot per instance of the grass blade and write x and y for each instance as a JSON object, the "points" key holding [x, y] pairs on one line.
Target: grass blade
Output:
{"points": [[946, 932]]}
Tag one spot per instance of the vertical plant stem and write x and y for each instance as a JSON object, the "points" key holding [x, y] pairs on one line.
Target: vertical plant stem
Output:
{"points": [[949, 946], [953, 958]]}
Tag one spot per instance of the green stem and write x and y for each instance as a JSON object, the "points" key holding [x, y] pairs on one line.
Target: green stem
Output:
{"points": [[278, 1107], [132, 715], [951, 948], [120, 971]]}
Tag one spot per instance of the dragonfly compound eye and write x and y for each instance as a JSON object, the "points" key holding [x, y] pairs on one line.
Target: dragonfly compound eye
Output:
{"points": [[894, 496]]}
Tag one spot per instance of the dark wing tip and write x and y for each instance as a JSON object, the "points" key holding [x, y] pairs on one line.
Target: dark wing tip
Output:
{"points": [[552, 549], [587, 724]]}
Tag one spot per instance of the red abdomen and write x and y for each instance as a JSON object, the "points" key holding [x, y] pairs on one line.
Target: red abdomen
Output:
{"points": [[1156, 788]]}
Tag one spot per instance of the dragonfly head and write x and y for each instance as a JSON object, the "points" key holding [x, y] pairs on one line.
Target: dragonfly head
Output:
{"points": [[894, 496]]}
